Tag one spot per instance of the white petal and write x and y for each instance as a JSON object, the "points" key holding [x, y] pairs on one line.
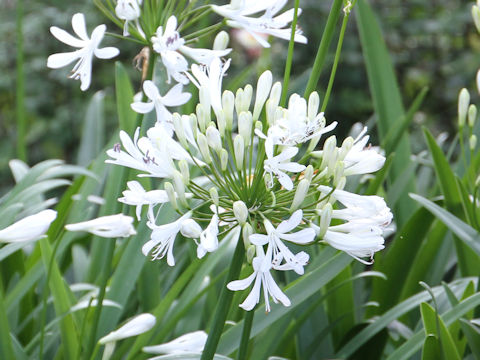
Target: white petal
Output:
{"points": [[242, 284], [79, 27], [57, 61], [66, 38], [106, 53], [138, 325], [141, 107]]}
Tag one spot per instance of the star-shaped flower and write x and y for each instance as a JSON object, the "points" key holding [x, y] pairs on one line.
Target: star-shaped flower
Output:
{"points": [[87, 48]]}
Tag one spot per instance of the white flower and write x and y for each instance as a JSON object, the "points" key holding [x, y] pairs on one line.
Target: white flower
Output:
{"points": [[356, 240], [136, 326], [209, 238], [238, 10], [30, 228], [210, 79], [141, 155], [261, 274], [296, 126], [193, 342], [170, 46], [129, 10], [278, 165], [88, 47], [163, 238], [361, 159], [279, 250], [174, 97], [111, 226], [360, 208], [137, 196]]}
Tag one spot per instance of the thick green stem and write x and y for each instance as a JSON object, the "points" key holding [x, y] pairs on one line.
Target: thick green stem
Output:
{"points": [[288, 65], [323, 47], [247, 327], [20, 88], [335, 62], [224, 303]]}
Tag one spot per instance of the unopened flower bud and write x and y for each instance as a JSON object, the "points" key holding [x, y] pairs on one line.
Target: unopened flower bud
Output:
{"points": [[238, 101], [473, 142], [203, 147], [245, 124], [308, 174], [251, 252], [341, 183], [247, 230], [239, 151], [214, 195], [346, 147], [472, 115], [204, 97], [213, 138], [259, 126], [171, 195], [194, 124], [268, 180], [228, 104], [202, 117], [270, 109], [338, 171], [136, 326], [247, 97], [264, 85], [276, 93], [178, 126], [223, 159], [313, 144], [463, 102], [329, 148], [185, 171], [300, 194], [221, 122], [476, 16], [325, 219], [179, 187], [240, 211], [221, 41], [191, 229], [313, 105]]}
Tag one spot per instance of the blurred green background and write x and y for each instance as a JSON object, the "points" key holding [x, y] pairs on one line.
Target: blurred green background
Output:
{"points": [[432, 43]]}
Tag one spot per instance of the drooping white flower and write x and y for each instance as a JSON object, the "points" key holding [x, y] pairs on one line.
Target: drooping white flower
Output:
{"points": [[209, 78], [174, 97], [137, 196], [363, 209], [30, 228], [88, 47], [279, 250], [170, 45], [208, 238], [110, 226], [263, 279], [356, 240], [163, 238], [237, 14], [193, 342], [277, 165], [136, 326], [362, 159], [129, 10]]}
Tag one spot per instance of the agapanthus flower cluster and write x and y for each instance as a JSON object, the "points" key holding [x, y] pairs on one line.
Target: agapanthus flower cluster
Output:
{"points": [[244, 161]]}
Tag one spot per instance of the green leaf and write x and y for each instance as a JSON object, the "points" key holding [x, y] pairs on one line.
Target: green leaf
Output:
{"points": [[92, 139], [433, 324], [473, 337], [6, 347], [411, 346], [394, 313], [431, 348], [465, 232], [386, 99], [124, 93]]}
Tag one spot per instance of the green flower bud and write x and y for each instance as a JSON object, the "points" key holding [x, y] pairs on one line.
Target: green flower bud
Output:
{"points": [[202, 117], [472, 115], [300, 194], [171, 195], [203, 147], [264, 86], [313, 105], [221, 41], [239, 150], [247, 230], [247, 97], [325, 218], [240, 211], [185, 171], [251, 252], [223, 159], [214, 195], [180, 187], [213, 138], [463, 102], [221, 123], [178, 125], [228, 103], [473, 142], [245, 124]]}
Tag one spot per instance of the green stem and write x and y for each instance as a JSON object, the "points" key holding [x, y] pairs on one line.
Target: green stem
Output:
{"points": [[247, 327], [336, 61], [6, 348], [288, 65], [323, 47], [224, 303], [20, 91]]}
